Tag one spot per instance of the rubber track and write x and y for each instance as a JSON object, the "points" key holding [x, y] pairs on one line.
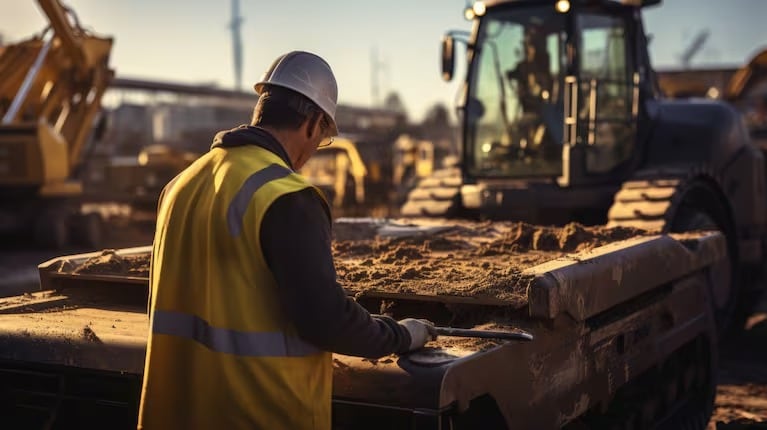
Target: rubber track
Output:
{"points": [[436, 196], [649, 201]]}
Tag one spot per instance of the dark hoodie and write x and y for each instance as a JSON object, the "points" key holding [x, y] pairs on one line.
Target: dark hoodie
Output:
{"points": [[296, 243]]}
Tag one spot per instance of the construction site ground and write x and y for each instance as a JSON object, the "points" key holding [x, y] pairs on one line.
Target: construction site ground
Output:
{"points": [[465, 261]]}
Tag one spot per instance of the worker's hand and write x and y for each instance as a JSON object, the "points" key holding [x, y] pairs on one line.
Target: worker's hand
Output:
{"points": [[421, 331]]}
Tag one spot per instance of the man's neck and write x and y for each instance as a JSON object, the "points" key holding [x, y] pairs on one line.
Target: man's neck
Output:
{"points": [[287, 139]]}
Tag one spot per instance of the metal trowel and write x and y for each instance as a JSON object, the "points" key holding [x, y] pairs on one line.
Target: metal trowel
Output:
{"points": [[484, 334]]}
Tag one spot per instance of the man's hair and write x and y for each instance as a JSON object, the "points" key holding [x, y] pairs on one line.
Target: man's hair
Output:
{"points": [[283, 108]]}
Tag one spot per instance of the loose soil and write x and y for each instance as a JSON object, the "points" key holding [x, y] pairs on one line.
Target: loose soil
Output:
{"points": [[468, 259], [480, 260], [109, 263]]}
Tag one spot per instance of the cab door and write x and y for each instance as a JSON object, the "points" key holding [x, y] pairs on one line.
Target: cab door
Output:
{"points": [[608, 90]]}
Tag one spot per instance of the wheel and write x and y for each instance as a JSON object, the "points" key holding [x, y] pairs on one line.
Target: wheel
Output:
{"points": [[688, 202], [678, 394], [701, 207], [690, 390]]}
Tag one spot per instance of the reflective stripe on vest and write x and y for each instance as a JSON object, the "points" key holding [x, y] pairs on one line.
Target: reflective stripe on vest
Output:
{"points": [[241, 200], [243, 343]]}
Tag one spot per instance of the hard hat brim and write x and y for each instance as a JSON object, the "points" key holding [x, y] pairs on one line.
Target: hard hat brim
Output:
{"points": [[259, 86]]}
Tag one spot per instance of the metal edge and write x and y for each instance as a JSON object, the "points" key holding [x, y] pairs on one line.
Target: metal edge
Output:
{"points": [[567, 285], [50, 271]]}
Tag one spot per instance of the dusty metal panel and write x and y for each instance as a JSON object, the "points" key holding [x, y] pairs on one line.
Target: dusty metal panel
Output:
{"points": [[390, 381], [59, 271], [71, 335], [572, 366], [589, 283]]}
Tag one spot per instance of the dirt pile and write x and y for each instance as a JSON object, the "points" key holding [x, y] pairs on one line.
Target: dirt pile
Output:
{"points": [[478, 260], [571, 237], [109, 263]]}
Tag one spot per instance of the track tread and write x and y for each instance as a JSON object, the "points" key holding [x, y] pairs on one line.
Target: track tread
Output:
{"points": [[436, 196], [649, 200], [437, 193]]}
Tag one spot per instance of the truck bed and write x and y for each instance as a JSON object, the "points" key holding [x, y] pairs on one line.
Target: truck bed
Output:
{"points": [[577, 296], [79, 326], [460, 261]]}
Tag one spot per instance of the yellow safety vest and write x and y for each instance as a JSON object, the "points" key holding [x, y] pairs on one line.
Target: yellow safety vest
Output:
{"points": [[221, 355]]}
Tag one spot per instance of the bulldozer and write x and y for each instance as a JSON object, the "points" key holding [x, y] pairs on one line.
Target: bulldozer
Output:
{"points": [[563, 120], [51, 86]]}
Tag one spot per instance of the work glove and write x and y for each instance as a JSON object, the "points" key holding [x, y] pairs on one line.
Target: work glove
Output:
{"points": [[421, 331]]}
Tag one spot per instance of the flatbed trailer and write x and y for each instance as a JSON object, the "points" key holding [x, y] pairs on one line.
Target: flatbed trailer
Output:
{"points": [[624, 336]]}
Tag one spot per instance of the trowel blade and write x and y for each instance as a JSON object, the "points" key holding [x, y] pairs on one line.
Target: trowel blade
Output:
{"points": [[485, 334]]}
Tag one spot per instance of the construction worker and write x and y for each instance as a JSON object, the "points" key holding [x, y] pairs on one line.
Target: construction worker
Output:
{"points": [[245, 307], [532, 73], [534, 83]]}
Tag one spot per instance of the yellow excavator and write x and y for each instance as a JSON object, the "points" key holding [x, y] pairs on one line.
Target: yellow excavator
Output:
{"points": [[51, 86], [331, 169]]}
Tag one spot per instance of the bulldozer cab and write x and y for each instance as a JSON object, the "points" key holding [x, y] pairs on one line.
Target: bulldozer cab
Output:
{"points": [[552, 89]]}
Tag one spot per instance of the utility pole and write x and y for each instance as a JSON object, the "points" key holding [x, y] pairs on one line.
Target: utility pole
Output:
{"points": [[374, 89], [376, 67], [235, 26]]}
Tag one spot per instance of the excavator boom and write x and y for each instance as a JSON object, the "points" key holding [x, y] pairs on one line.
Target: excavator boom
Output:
{"points": [[51, 86]]}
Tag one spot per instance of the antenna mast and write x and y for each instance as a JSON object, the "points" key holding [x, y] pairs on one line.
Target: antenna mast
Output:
{"points": [[235, 26]]}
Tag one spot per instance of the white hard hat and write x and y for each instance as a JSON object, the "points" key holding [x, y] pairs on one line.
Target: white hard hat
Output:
{"points": [[306, 74]]}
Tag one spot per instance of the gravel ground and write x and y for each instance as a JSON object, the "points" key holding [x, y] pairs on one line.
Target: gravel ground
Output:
{"points": [[741, 401]]}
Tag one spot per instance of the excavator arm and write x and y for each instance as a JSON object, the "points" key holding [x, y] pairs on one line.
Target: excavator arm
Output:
{"points": [[57, 15], [747, 76], [85, 67], [51, 87]]}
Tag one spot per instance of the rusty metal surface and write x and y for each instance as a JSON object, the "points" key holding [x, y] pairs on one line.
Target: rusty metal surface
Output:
{"points": [[573, 367], [569, 368], [594, 281], [58, 329], [591, 335], [390, 381], [59, 271]]}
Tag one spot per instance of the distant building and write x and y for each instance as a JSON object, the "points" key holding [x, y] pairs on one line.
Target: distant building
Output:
{"points": [[362, 120], [189, 123], [680, 83], [192, 128], [129, 127]]}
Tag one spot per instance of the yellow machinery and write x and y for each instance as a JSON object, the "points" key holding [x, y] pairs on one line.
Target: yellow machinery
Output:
{"points": [[51, 87], [331, 168], [359, 177], [157, 165], [747, 90], [412, 160]]}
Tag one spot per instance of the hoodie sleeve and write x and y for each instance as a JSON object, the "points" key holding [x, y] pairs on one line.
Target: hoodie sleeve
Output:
{"points": [[296, 243]]}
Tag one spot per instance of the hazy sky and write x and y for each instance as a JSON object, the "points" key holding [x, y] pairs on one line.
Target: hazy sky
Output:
{"points": [[188, 40]]}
